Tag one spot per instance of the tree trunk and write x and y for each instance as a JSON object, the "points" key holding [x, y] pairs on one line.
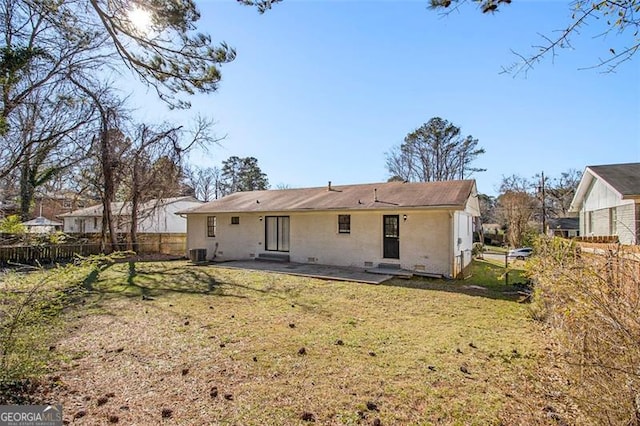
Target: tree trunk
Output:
{"points": [[109, 190], [135, 198], [26, 188]]}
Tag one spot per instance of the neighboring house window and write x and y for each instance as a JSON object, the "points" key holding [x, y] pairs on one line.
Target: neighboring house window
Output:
{"points": [[95, 223], [235, 220], [613, 221], [589, 222], [211, 226], [66, 204], [344, 223]]}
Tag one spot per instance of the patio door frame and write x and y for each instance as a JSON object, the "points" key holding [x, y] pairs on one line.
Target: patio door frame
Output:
{"points": [[282, 227], [391, 236]]}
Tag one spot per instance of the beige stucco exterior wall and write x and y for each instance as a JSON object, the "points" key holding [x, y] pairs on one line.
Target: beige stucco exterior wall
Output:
{"points": [[425, 238]]}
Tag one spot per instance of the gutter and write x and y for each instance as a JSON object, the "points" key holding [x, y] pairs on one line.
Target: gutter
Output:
{"points": [[452, 265], [446, 207]]}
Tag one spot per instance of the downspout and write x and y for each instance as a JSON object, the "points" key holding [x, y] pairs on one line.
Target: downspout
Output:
{"points": [[186, 248], [452, 260]]}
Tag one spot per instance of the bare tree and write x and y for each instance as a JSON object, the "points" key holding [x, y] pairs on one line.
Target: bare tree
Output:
{"points": [[153, 164], [47, 42], [435, 151], [516, 207], [560, 192], [618, 17], [108, 146], [50, 132], [34, 63], [205, 182]]}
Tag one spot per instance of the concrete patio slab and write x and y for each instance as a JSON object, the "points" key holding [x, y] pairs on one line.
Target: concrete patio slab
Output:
{"points": [[327, 272], [399, 273]]}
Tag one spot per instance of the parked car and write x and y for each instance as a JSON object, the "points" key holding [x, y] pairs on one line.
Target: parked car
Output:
{"points": [[520, 253]]}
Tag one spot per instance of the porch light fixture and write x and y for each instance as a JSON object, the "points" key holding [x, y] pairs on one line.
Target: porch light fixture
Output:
{"points": [[260, 218], [404, 217]]}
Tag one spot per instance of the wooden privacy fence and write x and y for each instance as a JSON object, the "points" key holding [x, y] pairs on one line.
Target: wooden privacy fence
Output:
{"points": [[45, 254], [606, 239], [173, 244], [166, 244]]}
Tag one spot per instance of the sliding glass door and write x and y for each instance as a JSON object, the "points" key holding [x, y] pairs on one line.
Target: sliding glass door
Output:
{"points": [[277, 233]]}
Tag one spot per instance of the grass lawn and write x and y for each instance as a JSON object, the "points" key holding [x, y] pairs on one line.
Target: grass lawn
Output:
{"points": [[181, 344]]}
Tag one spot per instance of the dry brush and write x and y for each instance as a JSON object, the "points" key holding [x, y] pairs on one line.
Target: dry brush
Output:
{"points": [[591, 299]]}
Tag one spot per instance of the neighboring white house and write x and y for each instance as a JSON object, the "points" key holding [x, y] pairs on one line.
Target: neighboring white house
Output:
{"points": [[565, 227], [155, 216], [608, 201], [42, 225], [423, 227]]}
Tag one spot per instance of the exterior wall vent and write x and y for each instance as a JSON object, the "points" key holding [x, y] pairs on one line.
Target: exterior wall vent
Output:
{"points": [[368, 264], [252, 255], [312, 259], [419, 268]]}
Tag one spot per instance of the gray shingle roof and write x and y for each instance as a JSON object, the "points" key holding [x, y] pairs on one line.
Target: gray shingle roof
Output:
{"points": [[625, 178], [120, 208], [41, 221], [565, 223], [346, 197]]}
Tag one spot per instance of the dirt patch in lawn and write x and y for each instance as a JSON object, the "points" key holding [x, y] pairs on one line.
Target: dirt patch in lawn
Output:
{"points": [[175, 343]]}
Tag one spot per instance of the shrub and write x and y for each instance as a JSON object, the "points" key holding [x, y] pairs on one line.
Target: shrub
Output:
{"points": [[12, 225], [31, 305], [592, 300]]}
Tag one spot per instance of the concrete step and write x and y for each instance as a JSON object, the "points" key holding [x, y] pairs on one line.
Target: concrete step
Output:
{"points": [[394, 271], [389, 265], [273, 257]]}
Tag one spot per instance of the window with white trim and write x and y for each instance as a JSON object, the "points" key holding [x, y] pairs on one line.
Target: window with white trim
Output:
{"points": [[344, 223], [212, 224]]}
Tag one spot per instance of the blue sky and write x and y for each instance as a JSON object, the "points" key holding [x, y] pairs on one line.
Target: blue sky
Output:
{"points": [[321, 90]]}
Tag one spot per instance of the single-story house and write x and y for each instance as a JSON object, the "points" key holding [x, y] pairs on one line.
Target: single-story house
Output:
{"points": [[423, 227], [566, 227], [155, 216], [608, 202], [42, 225]]}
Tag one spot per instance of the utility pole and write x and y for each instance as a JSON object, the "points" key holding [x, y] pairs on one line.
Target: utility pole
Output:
{"points": [[544, 213]]}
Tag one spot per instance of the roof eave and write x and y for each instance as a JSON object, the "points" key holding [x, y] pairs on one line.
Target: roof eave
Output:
{"points": [[581, 190], [330, 209]]}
